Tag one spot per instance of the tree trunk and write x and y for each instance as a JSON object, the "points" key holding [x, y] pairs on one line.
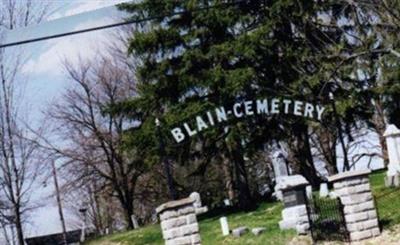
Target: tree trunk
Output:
{"points": [[60, 209], [5, 233], [126, 200], [245, 200], [327, 143], [382, 141], [98, 213], [301, 158], [128, 215], [379, 122], [332, 169], [18, 226], [109, 216], [309, 168], [226, 168]]}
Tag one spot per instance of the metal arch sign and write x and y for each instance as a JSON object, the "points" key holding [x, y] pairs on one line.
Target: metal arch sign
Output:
{"points": [[248, 108]]}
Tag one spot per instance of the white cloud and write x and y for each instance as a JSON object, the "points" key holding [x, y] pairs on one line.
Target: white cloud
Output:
{"points": [[79, 7], [71, 48], [92, 5]]}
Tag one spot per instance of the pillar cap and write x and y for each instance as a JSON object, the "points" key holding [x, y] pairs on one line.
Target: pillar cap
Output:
{"points": [[291, 182], [391, 130], [174, 204], [348, 175]]}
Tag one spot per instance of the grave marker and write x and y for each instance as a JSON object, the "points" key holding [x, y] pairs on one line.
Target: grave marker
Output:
{"points": [[392, 135], [323, 190], [224, 226]]}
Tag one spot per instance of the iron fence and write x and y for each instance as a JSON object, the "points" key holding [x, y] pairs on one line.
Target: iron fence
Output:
{"points": [[387, 205], [327, 221]]}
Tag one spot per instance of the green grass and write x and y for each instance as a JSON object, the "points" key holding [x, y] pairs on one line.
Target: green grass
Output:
{"points": [[266, 215], [150, 234], [386, 199]]}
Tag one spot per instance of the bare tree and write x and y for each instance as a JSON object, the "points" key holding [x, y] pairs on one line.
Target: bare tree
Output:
{"points": [[16, 154], [324, 141], [94, 137], [96, 196]]}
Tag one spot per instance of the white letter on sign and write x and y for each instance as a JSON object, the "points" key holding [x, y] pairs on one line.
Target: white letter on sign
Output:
{"points": [[189, 130], [235, 110], [262, 106], [200, 123], [320, 110], [275, 106], [298, 105], [287, 103], [308, 111], [221, 115], [178, 135], [248, 108]]}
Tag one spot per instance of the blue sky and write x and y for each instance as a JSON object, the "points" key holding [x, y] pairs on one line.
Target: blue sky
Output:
{"points": [[44, 69], [46, 79]]}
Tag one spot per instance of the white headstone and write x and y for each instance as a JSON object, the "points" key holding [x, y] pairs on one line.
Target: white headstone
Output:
{"points": [[238, 232], [333, 195], [279, 164], [323, 190], [196, 197], [134, 222], [227, 202], [392, 135], [199, 209], [309, 191], [224, 226], [258, 230], [280, 170], [83, 228]]}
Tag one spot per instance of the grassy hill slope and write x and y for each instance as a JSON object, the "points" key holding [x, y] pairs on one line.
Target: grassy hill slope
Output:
{"points": [[267, 215]]}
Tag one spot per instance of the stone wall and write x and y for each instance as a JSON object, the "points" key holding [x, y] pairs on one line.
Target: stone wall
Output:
{"points": [[179, 222], [353, 189]]}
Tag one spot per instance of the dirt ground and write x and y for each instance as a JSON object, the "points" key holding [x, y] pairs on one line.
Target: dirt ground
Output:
{"points": [[388, 237]]}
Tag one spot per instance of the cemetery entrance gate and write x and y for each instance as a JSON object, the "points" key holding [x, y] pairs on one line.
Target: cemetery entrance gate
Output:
{"points": [[327, 221]]}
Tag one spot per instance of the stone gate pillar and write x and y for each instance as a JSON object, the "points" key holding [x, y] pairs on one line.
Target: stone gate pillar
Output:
{"points": [[179, 222], [294, 214], [354, 190]]}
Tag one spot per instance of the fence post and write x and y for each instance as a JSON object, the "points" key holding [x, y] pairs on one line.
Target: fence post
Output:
{"points": [[179, 222], [294, 215], [309, 208]]}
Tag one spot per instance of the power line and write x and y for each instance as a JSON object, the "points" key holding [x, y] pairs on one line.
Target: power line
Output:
{"points": [[134, 21]]}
